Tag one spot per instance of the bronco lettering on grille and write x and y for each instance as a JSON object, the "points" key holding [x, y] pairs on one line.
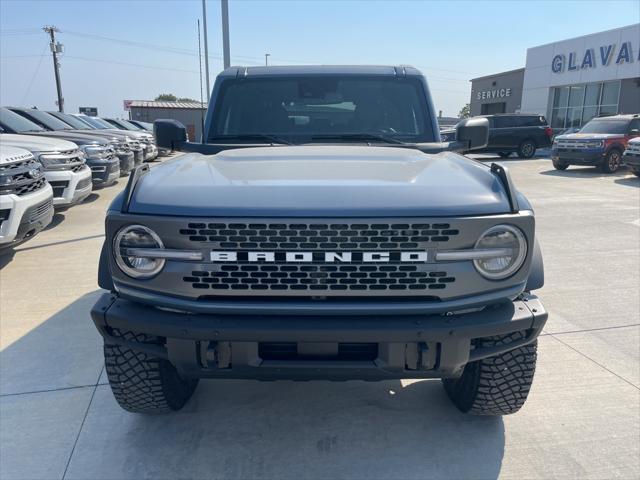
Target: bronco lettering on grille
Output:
{"points": [[320, 257]]}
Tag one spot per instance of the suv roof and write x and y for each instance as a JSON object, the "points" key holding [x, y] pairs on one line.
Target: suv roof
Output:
{"points": [[511, 115], [629, 116], [288, 70]]}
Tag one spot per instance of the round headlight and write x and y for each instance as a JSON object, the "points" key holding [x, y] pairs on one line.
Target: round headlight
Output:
{"points": [[137, 237], [503, 237]]}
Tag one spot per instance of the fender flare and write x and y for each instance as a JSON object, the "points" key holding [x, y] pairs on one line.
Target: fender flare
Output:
{"points": [[104, 274], [536, 273]]}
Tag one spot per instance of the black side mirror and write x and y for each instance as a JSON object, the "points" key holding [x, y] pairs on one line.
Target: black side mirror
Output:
{"points": [[474, 132], [634, 132], [169, 134]]}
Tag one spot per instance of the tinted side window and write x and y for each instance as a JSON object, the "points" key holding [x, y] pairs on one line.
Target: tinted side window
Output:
{"points": [[501, 122], [634, 125], [532, 121]]}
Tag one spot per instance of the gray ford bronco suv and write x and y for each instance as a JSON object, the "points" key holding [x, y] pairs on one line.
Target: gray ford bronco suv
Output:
{"points": [[321, 230]]}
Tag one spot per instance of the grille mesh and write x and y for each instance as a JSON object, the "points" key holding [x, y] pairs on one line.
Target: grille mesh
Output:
{"points": [[319, 278], [319, 236]]}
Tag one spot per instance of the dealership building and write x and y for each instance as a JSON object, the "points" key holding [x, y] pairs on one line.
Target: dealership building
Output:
{"points": [[570, 81]]}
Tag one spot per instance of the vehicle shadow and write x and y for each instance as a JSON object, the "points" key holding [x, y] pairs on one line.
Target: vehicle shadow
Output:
{"points": [[57, 219], [92, 197], [6, 255], [236, 428], [582, 172], [631, 181]]}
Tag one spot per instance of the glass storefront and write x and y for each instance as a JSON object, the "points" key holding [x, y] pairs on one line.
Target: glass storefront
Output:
{"points": [[575, 105]]}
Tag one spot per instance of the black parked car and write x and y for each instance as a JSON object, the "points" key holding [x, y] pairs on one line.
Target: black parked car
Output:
{"points": [[510, 133]]}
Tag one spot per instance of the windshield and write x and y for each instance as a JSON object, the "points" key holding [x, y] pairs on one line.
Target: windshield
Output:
{"points": [[97, 122], [16, 123], [306, 108], [606, 126], [71, 120], [126, 125], [44, 118]]}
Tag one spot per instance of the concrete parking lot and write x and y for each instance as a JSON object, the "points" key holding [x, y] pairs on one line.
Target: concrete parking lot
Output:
{"points": [[58, 418]]}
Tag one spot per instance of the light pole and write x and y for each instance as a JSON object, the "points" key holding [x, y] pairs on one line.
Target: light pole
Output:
{"points": [[206, 46], [266, 59], [225, 32]]}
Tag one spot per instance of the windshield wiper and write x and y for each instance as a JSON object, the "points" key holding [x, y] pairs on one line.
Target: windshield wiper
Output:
{"points": [[253, 136], [358, 136]]}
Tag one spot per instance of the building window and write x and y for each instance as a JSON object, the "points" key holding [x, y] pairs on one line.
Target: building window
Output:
{"points": [[575, 105]]}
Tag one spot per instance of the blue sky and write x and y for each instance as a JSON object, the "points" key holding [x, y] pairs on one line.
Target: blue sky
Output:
{"points": [[451, 42]]}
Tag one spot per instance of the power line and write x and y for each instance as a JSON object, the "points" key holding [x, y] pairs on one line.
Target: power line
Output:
{"points": [[98, 60], [35, 74]]}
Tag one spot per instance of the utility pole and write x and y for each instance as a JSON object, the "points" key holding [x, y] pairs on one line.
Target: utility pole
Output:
{"points": [[201, 101], [225, 32], [206, 46], [266, 59], [55, 49]]}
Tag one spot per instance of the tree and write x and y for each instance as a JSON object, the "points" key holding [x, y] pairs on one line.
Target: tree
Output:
{"points": [[465, 112], [166, 97]]}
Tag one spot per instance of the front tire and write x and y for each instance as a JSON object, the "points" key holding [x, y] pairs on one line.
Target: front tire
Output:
{"points": [[142, 383], [496, 385], [560, 165], [611, 162], [527, 149], [636, 172]]}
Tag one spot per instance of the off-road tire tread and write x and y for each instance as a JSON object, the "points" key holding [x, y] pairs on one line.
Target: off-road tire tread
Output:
{"points": [[560, 165], [496, 385], [142, 383]]}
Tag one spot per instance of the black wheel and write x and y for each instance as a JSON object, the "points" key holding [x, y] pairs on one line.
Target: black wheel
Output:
{"points": [[504, 154], [527, 149], [559, 165], [142, 383], [611, 161], [636, 172], [496, 385]]}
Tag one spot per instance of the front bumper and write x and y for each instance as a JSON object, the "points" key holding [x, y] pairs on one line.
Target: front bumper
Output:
{"points": [[28, 214], [242, 346], [127, 162], [104, 172], [631, 159], [69, 187], [151, 152], [579, 156]]}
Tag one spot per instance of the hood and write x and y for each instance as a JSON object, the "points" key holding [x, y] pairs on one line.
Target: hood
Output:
{"points": [[36, 143], [635, 141], [321, 181], [128, 133], [10, 154], [71, 136], [589, 136]]}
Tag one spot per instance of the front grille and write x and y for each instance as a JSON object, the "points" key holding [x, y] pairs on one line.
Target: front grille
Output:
{"points": [[39, 211], [578, 144], [16, 165], [319, 236], [31, 187], [315, 278], [59, 187], [84, 183], [634, 148]]}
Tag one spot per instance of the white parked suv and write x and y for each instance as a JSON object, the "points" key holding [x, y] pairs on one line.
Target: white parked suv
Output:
{"points": [[26, 198], [64, 166]]}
